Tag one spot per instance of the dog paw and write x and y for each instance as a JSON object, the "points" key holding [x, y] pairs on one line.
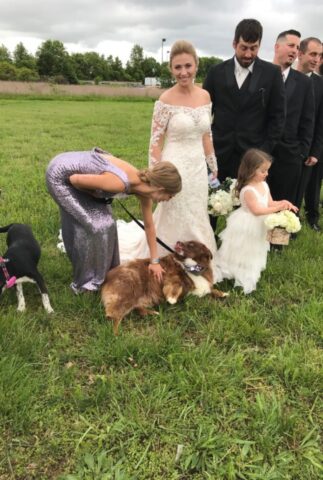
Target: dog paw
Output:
{"points": [[61, 247], [145, 311], [218, 294]]}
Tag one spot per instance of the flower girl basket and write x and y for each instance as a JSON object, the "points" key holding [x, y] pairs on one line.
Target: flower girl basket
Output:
{"points": [[278, 236]]}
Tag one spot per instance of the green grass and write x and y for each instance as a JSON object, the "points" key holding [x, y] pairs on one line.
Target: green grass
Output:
{"points": [[235, 388]]}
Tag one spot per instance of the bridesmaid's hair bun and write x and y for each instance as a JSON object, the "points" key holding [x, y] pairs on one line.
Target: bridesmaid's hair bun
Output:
{"points": [[164, 175]]}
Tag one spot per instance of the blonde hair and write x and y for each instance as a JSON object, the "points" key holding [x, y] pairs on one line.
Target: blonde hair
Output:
{"points": [[163, 175], [182, 46], [250, 162]]}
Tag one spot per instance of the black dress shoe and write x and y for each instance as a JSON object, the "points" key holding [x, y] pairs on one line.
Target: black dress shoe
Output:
{"points": [[315, 227]]}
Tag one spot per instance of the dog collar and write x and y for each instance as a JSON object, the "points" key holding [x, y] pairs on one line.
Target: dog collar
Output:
{"points": [[10, 281], [194, 269]]}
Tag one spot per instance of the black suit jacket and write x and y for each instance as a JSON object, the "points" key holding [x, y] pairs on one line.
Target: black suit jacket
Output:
{"points": [[316, 149], [254, 118], [294, 146]]}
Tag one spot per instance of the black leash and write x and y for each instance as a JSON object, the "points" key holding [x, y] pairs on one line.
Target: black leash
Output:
{"points": [[141, 225], [194, 269]]}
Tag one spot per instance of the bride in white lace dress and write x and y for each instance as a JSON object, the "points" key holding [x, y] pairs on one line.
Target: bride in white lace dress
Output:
{"points": [[181, 134]]}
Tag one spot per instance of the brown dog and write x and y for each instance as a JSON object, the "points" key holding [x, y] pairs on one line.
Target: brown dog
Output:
{"points": [[132, 287]]}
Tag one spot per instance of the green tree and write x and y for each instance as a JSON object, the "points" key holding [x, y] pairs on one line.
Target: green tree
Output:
{"points": [[151, 67], [5, 54], [89, 65], [115, 69], [79, 65], [204, 64], [7, 71], [54, 61], [96, 66], [134, 66], [21, 58], [109, 68], [166, 80]]}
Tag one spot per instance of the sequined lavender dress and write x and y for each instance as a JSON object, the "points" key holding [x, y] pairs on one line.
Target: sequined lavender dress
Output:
{"points": [[88, 228]]}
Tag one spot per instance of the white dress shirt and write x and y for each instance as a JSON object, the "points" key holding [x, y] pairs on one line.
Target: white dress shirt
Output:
{"points": [[240, 72], [285, 73]]}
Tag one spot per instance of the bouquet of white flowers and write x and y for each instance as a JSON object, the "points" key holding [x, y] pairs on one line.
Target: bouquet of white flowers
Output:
{"points": [[280, 225], [222, 199]]}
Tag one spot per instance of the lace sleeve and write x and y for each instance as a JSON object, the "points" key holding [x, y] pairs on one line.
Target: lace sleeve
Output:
{"points": [[159, 124], [209, 148], [212, 162]]}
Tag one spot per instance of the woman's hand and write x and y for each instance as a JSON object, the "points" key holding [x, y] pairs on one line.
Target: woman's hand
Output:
{"points": [[157, 270], [213, 179]]}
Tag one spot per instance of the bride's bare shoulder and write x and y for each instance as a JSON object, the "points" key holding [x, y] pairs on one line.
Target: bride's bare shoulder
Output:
{"points": [[203, 94], [168, 96], [197, 98]]}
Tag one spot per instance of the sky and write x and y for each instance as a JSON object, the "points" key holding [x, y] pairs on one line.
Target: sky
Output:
{"points": [[114, 27]]}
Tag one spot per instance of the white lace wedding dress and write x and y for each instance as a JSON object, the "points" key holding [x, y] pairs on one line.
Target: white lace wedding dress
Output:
{"points": [[184, 217]]}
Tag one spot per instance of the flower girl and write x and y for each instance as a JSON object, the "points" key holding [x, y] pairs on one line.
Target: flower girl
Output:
{"points": [[243, 252]]}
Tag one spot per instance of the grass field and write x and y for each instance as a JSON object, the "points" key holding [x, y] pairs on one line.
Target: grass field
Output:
{"points": [[205, 390]]}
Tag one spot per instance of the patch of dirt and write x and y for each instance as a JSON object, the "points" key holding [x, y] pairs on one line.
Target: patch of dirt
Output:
{"points": [[42, 88]]}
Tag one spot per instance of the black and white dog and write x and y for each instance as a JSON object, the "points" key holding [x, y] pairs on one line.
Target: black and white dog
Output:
{"points": [[19, 264]]}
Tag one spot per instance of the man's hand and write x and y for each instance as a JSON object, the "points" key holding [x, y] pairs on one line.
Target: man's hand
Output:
{"points": [[311, 161]]}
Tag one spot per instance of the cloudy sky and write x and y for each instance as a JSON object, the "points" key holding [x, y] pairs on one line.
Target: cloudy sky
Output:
{"points": [[113, 27]]}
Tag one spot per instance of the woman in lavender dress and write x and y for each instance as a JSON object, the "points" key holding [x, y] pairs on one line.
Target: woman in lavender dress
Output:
{"points": [[83, 184]]}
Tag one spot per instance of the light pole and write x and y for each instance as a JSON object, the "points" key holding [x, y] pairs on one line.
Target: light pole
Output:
{"points": [[162, 49]]}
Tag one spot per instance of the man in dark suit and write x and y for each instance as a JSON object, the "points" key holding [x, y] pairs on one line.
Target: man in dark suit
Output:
{"points": [[248, 101], [319, 67], [309, 59], [293, 149]]}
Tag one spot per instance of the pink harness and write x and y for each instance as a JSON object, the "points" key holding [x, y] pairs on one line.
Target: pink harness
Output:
{"points": [[10, 281]]}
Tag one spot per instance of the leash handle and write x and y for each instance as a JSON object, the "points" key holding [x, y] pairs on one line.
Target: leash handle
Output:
{"points": [[141, 225], [10, 281]]}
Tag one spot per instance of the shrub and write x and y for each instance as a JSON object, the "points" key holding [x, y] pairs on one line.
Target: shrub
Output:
{"points": [[7, 71], [25, 74]]}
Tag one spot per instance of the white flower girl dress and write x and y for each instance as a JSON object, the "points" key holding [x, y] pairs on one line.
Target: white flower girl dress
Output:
{"points": [[243, 252]]}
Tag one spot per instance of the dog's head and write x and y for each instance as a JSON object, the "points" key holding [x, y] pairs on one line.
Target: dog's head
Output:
{"points": [[193, 254]]}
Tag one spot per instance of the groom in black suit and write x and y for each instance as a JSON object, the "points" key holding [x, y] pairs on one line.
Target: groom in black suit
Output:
{"points": [[293, 149], [248, 101]]}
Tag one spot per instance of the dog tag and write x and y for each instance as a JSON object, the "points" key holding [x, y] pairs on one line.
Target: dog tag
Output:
{"points": [[194, 269]]}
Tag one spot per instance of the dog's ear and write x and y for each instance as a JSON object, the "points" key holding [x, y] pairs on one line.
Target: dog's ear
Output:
{"points": [[207, 257], [208, 254]]}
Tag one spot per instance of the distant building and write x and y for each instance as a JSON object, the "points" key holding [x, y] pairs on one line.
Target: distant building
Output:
{"points": [[152, 82]]}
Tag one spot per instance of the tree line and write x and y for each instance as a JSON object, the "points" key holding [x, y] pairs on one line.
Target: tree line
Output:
{"points": [[53, 63]]}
